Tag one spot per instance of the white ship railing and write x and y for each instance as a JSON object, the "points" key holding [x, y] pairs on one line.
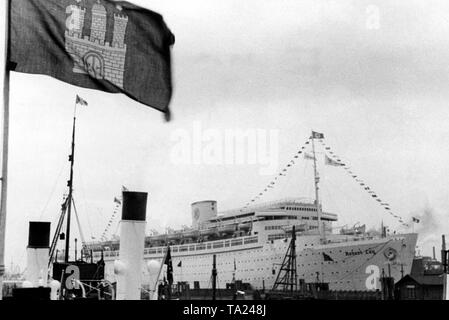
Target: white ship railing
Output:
{"points": [[191, 247]]}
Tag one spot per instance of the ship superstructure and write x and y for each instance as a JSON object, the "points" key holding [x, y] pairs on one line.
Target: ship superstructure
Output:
{"points": [[250, 244], [257, 241]]}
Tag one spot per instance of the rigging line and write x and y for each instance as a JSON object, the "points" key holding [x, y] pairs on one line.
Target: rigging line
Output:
{"points": [[287, 165], [287, 175], [353, 173], [52, 191], [84, 198], [83, 240]]}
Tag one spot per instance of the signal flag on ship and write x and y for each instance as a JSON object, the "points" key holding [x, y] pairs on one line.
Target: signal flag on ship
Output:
{"points": [[308, 156], [331, 162], [81, 101], [317, 135]]}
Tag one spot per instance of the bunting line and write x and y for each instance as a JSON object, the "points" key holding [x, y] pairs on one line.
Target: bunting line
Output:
{"points": [[118, 203], [281, 173], [362, 183]]}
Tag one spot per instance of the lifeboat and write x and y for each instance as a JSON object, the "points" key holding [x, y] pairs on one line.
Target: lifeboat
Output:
{"points": [[353, 231], [244, 226], [207, 232], [229, 228]]}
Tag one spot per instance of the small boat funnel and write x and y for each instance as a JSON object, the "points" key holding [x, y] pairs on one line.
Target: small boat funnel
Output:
{"points": [[128, 268], [38, 251]]}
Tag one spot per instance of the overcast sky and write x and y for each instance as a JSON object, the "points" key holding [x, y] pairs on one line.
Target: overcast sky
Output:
{"points": [[373, 76]]}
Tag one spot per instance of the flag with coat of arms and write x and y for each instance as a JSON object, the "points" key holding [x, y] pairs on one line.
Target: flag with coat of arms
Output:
{"points": [[112, 46]]}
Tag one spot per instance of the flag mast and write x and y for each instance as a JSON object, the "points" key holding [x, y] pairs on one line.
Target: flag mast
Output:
{"points": [[4, 176], [317, 179], [70, 185]]}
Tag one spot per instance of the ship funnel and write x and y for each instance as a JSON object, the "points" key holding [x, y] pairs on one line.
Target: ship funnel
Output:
{"points": [[38, 252], [132, 240], [203, 211]]}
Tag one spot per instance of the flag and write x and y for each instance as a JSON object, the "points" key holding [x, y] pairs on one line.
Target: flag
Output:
{"points": [[317, 135], [180, 264], [308, 156], [327, 257], [81, 101], [105, 45], [331, 162], [416, 220], [169, 264], [117, 201]]}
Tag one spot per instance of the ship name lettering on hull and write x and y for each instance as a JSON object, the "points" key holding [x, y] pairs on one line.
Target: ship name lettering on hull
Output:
{"points": [[360, 252]]}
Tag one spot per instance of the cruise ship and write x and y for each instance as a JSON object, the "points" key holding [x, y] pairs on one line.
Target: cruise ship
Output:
{"points": [[250, 244]]}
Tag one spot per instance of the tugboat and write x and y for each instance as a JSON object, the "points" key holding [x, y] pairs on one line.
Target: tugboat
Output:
{"points": [[79, 278]]}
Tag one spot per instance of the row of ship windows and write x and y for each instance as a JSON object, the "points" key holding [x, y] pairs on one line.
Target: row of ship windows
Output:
{"points": [[274, 227], [273, 277], [283, 226], [250, 261], [262, 260], [299, 209], [205, 246], [257, 260], [299, 218], [268, 250], [282, 235], [193, 247]]}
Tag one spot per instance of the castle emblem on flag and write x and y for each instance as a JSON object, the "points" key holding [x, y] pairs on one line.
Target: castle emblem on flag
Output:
{"points": [[92, 54]]}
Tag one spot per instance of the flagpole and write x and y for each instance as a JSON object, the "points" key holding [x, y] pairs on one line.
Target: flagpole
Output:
{"points": [[159, 275], [317, 199], [70, 183], [4, 177]]}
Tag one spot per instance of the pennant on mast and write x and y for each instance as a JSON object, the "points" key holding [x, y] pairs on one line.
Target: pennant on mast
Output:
{"points": [[308, 156], [330, 162], [81, 101]]}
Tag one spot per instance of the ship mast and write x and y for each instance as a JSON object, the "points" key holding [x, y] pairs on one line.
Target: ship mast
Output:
{"points": [[70, 185], [317, 196]]}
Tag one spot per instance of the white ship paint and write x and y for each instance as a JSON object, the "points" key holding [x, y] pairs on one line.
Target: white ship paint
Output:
{"points": [[257, 240], [250, 244]]}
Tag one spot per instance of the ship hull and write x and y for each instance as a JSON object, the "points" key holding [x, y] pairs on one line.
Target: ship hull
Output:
{"points": [[345, 263]]}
